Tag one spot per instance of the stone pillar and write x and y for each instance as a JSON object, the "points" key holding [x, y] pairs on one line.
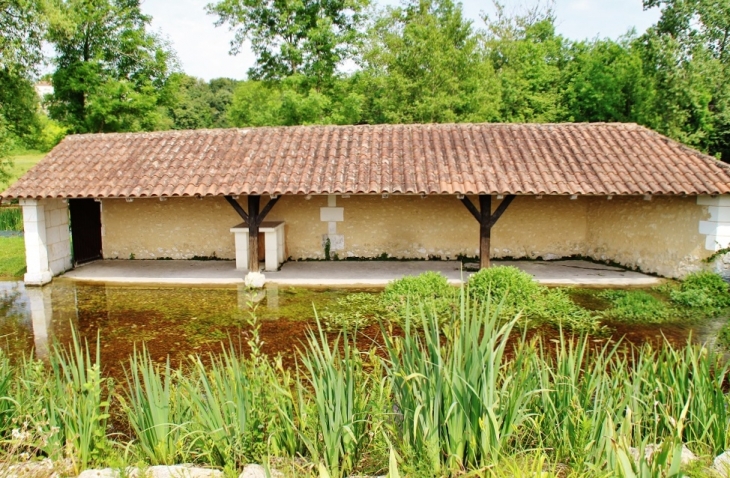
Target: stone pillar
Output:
{"points": [[36, 250], [47, 239], [717, 228]]}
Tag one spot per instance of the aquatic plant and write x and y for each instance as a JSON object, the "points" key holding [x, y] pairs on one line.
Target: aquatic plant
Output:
{"points": [[469, 396], [635, 306], [154, 410], [706, 291], [459, 408], [518, 293], [429, 290], [340, 392], [76, 403], [225, 401]]}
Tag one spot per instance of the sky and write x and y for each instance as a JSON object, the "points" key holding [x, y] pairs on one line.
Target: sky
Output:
{"points": [[203, 48]]}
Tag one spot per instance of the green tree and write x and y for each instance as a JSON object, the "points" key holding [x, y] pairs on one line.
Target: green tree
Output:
{"points": [[528, 58], [604, 81], [422, 63], [686, 56], [110, 71], [22, 27], [196, 103], [294, 37], [288, 103]]}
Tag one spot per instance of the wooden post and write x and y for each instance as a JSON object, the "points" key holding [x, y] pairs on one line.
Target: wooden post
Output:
{"points": [[485, 230], [253, 233], [486, 220], [253, 218]]}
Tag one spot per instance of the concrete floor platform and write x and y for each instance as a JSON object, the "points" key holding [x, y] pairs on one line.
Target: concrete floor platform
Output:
{"points": [[346, 273]]}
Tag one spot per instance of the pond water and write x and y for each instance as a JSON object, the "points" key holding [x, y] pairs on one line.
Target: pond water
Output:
{"points": [[177, 321]]}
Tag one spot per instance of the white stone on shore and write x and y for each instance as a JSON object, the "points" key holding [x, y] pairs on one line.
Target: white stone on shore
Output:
{"points": [[181, 471], [103, 473], [258, 471], [30, 469], [255, 280], [721, 464], [161, 471], [687, 455]]}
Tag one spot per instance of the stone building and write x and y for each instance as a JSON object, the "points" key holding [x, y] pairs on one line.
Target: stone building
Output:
{"points": [[609, 192]]}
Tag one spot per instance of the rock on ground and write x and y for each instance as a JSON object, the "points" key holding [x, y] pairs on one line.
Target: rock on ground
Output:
{"points": [[103, 473], [258, 471], [30, 469], [687, 455], [721, 464], [162, 471]]}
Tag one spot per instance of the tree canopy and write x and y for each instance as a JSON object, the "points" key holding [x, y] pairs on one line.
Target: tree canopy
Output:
{"points": [[350, 62]]}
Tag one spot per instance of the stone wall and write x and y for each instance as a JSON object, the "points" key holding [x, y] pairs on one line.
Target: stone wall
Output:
{"points": [[660, 236]]}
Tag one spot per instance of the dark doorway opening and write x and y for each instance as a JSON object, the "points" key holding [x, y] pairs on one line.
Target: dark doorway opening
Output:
{"points": [[85, 229]]}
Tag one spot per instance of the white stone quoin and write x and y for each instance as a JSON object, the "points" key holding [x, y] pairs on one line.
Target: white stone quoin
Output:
{"points": [[273, 242], [717, 228], [47, 239]]}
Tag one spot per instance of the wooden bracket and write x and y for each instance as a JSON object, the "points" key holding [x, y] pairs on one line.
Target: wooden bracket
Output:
{"points": [[472, 208], [486, 220], [258, 218], [237, 207]]}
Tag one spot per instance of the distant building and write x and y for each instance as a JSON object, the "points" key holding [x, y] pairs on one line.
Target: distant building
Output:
{"points": [[43, 88]]}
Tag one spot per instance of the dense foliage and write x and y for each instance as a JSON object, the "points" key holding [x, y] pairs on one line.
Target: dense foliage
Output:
{"points": [[350, 62]]}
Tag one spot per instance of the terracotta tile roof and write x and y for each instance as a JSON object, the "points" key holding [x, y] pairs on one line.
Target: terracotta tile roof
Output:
{"points": [[597, 158]]}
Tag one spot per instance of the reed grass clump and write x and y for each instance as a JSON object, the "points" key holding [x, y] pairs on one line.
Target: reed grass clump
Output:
{"points": [[472, 395], [11, 219]]}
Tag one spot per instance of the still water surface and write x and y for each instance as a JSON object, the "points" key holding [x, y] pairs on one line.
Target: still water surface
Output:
{"points": [[177, 321]]}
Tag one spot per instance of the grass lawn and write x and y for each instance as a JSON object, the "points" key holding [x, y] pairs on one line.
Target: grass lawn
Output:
{"points": [[12, 258], [23, 162]]}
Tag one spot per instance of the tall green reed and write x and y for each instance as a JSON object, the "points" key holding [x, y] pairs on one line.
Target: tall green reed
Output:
{"points": [[340, 390], [226, 399], [77, 404], [461, 401], [11, 219], [154, 410]]}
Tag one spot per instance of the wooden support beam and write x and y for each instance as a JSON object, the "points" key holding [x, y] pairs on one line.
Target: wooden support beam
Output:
{"points": [[272, 202], [486, 220], [472, 209], [237, 207], [485, 230], [253, 233], [253, 218], [501, 209]]}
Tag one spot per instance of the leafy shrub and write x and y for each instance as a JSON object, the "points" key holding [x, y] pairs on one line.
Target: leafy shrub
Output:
{"points": [[518, 292], [430, 289], [635, 306], [702, 290], [504, 283]]}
